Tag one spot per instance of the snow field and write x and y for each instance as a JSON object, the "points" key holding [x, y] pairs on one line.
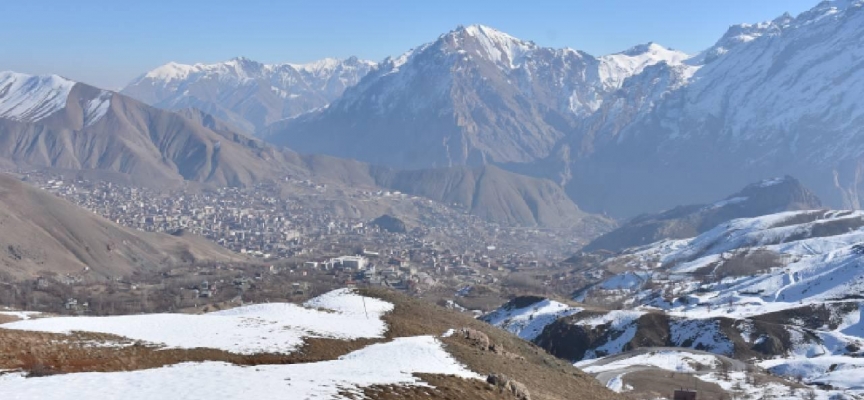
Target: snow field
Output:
{"points": [[257, 328], [391, 363]]}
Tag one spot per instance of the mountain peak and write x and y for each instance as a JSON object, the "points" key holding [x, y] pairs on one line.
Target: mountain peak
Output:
{"points": [[488, 43], [615, 68], [32, 97]]}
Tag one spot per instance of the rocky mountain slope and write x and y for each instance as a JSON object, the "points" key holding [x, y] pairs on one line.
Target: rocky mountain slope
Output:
{"points": [[761, 198], [246, 93], [42, 234], [491, 193], [473, 96], [49, 121], [768, 99]]}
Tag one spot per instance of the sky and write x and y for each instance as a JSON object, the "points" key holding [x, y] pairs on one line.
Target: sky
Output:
{"points": [[108, 43]]}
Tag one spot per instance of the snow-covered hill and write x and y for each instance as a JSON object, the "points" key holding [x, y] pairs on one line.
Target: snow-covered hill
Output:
{"points": [[277, 328], [254, 329], [344, 344], [781, 291], [246, 93]]}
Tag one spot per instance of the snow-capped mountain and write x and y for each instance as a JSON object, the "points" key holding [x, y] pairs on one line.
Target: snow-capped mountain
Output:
{"points": [[50, 121], [475, 95], [32, 98], [246, 93], [768, 99], [616, 68]]}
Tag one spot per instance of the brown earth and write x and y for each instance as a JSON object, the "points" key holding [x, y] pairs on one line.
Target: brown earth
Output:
{"points": [[42, 234], [545, 376], [44, 353], [444, 387]]}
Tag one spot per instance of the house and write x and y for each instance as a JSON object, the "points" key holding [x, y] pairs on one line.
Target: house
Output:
{"points": [[356, 263]]}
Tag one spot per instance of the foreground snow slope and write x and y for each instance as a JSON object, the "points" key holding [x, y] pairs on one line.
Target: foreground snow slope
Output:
{"points": [[789, 284], [258, 328], [379, 364], [529, 321]]}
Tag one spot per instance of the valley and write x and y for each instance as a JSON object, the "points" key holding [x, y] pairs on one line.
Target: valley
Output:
{"points": [[473, 216]]}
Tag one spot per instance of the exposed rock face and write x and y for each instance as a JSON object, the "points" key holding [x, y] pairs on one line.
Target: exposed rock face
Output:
{"points": [[765, 101], [762, 198]]}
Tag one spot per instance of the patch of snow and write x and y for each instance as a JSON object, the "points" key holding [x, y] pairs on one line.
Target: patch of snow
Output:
{"points": [[257, 328], [392, 363], [670, 360], [96, 108], [615, 68], [529, 322], [616, 384]]}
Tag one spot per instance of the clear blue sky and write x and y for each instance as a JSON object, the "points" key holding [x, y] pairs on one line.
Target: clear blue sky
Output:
{"points": [[109, 42]]}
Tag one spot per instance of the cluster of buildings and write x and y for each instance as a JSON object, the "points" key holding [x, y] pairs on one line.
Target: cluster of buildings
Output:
{"points": [[304, 228]]}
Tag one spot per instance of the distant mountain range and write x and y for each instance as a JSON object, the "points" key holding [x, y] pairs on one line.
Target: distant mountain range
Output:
{"points": [[246, 93], [768, 99], [50, 121], [638, 131], [473, 96]]}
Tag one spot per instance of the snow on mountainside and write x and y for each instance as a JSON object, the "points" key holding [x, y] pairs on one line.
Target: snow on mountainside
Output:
{"points": [[31, 98], [768, 99], [781, 292], [528, 320], [247, 93], [615, 68], [789, 284], [487, 97], [35, 98], [763, 197]]}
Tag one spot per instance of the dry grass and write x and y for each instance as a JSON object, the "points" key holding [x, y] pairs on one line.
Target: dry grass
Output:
{"points": [[545, 376], [39, 353], [444, 387], [8, 318]]}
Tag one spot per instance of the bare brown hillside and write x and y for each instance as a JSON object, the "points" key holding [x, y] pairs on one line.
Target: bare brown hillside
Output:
{"points": [[42, 234]]}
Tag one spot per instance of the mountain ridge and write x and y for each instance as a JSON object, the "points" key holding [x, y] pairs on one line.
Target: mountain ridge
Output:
{"points": [[246, 93]]}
